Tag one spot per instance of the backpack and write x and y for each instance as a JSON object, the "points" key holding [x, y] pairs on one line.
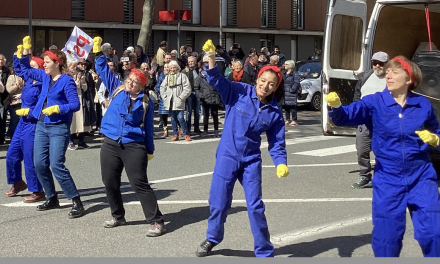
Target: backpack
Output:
{"points": [[144, 100]]}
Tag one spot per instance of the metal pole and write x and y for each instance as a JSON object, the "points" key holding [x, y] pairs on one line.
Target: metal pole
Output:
{"points": [[30, 19], [220, 34], [168, 23], [178, 32]]}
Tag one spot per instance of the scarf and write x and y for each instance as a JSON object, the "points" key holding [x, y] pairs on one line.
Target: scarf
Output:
{"points": [[172, 79], [237, 75]]}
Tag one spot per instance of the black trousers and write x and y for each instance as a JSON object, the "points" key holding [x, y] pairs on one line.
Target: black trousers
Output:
{"points": [[214, 113], [132, 156]]}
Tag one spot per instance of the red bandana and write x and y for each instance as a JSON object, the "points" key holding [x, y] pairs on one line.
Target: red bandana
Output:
{"points": [[406, 67], [53, 57], [38, 61], [273, 68], [141, 76]]}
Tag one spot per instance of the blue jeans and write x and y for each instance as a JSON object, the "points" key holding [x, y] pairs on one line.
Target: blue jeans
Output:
{"points": [[291, 111], [51, 141], [14, 120], [178, 115], [192, 104]]}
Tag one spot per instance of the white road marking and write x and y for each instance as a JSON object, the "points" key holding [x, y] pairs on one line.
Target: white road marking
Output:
{"points": [[328, 151], [317, 165], [288, 238], [313, 200]]}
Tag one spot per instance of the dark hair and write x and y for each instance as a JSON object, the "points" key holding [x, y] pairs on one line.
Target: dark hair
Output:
{"points": [[253, 50], [163, 43], [62, 56], [276, 47], [279, 93]]}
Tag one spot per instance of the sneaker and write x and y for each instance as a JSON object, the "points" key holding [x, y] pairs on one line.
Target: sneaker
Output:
{"points": [[204, 134], [188, 138], [198, 131], [205, 248], [113, 222], [363, 182], [175, 138], [35, 197], [16, 188], [156, 229], [72, 146], [160, 124], [83, 145], [216, 133]]}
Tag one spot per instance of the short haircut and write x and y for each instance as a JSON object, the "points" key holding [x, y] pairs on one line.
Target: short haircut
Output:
{"points": [[163, 43], [4, 58], [291, 63], [417, 73], [192, 58], [276, 47], [174, 63], [274, 58]]}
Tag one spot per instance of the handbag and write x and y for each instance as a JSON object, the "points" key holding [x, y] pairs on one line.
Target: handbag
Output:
{"points": [[154, 96]]}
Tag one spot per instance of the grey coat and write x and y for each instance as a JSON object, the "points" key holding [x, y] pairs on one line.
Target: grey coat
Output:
{"points": [[177, 93]]}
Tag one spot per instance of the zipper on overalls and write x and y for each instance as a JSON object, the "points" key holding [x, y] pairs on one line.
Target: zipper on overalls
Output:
{"points": [[403, 147]]}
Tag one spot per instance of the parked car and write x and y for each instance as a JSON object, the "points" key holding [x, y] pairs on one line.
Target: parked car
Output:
{"points": [[310, 74]]}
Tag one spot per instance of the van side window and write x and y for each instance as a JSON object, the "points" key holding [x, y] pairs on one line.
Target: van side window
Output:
{"points": [[346, 42]]}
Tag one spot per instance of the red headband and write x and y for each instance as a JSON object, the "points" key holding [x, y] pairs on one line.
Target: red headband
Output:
{"points": [[406, 67], [141, 76], [273, 68], [38, 61], [53, 57]]}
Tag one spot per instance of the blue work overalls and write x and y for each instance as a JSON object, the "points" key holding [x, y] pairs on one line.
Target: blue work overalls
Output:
{"points": [[403, 175], [239, 157], [21, 147]]}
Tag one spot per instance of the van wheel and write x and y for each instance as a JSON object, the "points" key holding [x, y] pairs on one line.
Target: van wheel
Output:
{"points": [[315, 104]]}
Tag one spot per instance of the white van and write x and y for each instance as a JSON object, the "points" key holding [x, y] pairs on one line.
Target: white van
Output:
{"points": [[396, 27]]}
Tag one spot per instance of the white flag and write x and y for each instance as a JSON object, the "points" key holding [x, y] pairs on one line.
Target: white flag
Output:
{"points": [[78, 46]]}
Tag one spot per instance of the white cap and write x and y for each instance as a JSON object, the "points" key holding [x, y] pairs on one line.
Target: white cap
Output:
{"points": [[130, 49]]}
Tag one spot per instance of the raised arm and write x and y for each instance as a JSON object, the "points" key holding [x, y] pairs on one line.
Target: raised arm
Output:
{"points": [[107, 76], [28, 71]]}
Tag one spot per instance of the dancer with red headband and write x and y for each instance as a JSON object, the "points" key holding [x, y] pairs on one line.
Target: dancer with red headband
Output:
{"points": [[54, 109], [250, 111], [404, 127], [128, 142], [21, 147]]}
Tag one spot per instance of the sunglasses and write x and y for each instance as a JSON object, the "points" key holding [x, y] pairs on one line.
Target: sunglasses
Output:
{"points": [[376, 62], [145, 69]]}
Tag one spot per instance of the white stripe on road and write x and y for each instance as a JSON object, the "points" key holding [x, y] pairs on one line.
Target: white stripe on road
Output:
{"points": [[287, 239], [328, 151], [318, 165], [21, 204]]}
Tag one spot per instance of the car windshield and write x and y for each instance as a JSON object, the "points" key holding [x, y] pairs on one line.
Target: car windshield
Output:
{"points": [[310, 70]]}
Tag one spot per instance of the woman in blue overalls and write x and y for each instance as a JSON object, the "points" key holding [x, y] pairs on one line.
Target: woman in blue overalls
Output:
{"points": [[404, 127], [250, 111], [21, 147], [54, 109]]}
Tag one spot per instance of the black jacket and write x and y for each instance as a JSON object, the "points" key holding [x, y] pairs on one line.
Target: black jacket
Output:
{"points": [[240, 54], [206, 93], [245, 78], [253, 72], [291, 87], [191, 78], [363, 77], [5, 75]]}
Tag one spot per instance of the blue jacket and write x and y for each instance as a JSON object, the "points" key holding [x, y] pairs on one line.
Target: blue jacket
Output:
{"points": [[246, 119], [31, 92], [63, 93], [398, 149], [119, 124], [291, 86]]}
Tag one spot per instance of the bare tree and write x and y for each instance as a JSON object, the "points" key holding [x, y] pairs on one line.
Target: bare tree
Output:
{"points": [[147, 23]]}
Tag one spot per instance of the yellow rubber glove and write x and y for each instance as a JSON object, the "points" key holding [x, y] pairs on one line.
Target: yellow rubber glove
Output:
{"points": [[333, 100], [282, 171], [19, 51], [150, 156], [209, 46], [54, 109], [22, 112], [27, 42], [428, 137], [97, 44]]}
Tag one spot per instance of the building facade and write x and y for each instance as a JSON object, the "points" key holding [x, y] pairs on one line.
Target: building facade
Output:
{"points": [[294, 25]]}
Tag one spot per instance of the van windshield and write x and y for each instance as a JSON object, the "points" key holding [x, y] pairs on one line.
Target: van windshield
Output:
{"points": [[310, 70]]}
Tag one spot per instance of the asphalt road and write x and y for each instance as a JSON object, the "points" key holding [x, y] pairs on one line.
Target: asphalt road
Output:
{"points": [[313, 212]]}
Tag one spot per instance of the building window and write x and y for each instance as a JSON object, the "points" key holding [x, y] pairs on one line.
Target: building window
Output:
{"points": [[190, 40], [297, 14], [78, 9], [94, 32], [128, 11], [267, 40], [232, 13], [268, 13], [150, 46], [127, 38]]}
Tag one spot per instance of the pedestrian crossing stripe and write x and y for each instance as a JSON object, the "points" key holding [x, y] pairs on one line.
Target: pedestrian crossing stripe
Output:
{"points": [[328, 151]]}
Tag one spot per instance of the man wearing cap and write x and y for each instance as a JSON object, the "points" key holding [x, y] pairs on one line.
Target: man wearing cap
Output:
{"points": [[370, 82]]}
